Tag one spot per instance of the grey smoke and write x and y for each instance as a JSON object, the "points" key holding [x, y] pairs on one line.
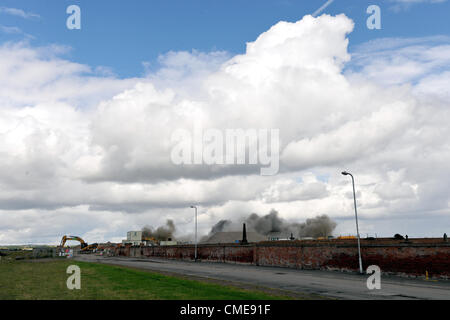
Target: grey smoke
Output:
{"points": [[321, 226], [220, 226], [267, 224], [161, 233]]}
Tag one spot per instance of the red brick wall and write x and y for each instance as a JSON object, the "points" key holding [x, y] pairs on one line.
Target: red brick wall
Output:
{"points": [[409, 258], [217, 253], [401, 258]]}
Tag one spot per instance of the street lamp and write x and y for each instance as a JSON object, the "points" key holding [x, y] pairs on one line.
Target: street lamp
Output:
{"points": [[195, 207], [345, 173]]}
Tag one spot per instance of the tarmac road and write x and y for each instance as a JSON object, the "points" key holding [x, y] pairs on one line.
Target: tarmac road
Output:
{"points": [[325, 283]]}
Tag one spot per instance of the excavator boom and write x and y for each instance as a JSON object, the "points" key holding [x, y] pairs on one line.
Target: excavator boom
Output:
{"points": [[73, 238]]}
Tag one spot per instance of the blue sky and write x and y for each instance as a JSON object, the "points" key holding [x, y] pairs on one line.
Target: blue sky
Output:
{"points": [[122, 35]]}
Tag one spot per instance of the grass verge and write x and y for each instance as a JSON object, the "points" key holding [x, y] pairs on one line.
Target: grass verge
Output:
{"points": [[46, 280]]}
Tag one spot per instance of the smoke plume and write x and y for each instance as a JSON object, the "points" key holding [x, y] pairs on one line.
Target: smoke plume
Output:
{"points": [[321, 226], [267, 224], [161, 233], [220, 226]]}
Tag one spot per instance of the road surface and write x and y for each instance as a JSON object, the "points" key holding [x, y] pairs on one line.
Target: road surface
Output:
{"points": [[324, 283]]}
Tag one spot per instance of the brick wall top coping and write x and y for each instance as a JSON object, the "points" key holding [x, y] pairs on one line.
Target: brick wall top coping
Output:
{"points": [[366, 244]]}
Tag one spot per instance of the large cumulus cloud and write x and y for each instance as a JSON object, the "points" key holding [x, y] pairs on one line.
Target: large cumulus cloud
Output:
{"points": [[76, 138]]}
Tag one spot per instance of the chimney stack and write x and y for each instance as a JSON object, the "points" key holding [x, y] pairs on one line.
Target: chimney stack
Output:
{"points": [[244, 236]]}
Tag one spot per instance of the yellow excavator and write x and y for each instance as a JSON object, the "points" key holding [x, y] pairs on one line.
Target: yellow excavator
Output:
{"points": [[150, 239], [85, 248]]}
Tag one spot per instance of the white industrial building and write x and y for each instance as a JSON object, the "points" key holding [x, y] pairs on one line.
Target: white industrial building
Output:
{"points": [[134, 238]]}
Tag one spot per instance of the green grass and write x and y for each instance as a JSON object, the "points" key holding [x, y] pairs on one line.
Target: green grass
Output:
{"points": [[46, 280]]}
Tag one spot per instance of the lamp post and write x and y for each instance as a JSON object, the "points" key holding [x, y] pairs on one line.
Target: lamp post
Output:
{"points": [[195, 207], [345, 173]]}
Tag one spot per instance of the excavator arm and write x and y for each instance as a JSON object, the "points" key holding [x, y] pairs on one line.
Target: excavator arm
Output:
{"points": [[74, 238]]}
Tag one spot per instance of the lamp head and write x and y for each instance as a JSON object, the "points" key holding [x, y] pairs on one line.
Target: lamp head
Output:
{"points": [[345, 173]]}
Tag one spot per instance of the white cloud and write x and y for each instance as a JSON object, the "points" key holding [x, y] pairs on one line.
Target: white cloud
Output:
{"points": [[18, 13], [42, 76], [10, 30], [399, 61], [399, 5], [287, 190], [74, 141]]}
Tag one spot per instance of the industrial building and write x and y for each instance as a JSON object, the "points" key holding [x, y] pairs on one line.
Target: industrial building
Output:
{"points": [[134, 238]]}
